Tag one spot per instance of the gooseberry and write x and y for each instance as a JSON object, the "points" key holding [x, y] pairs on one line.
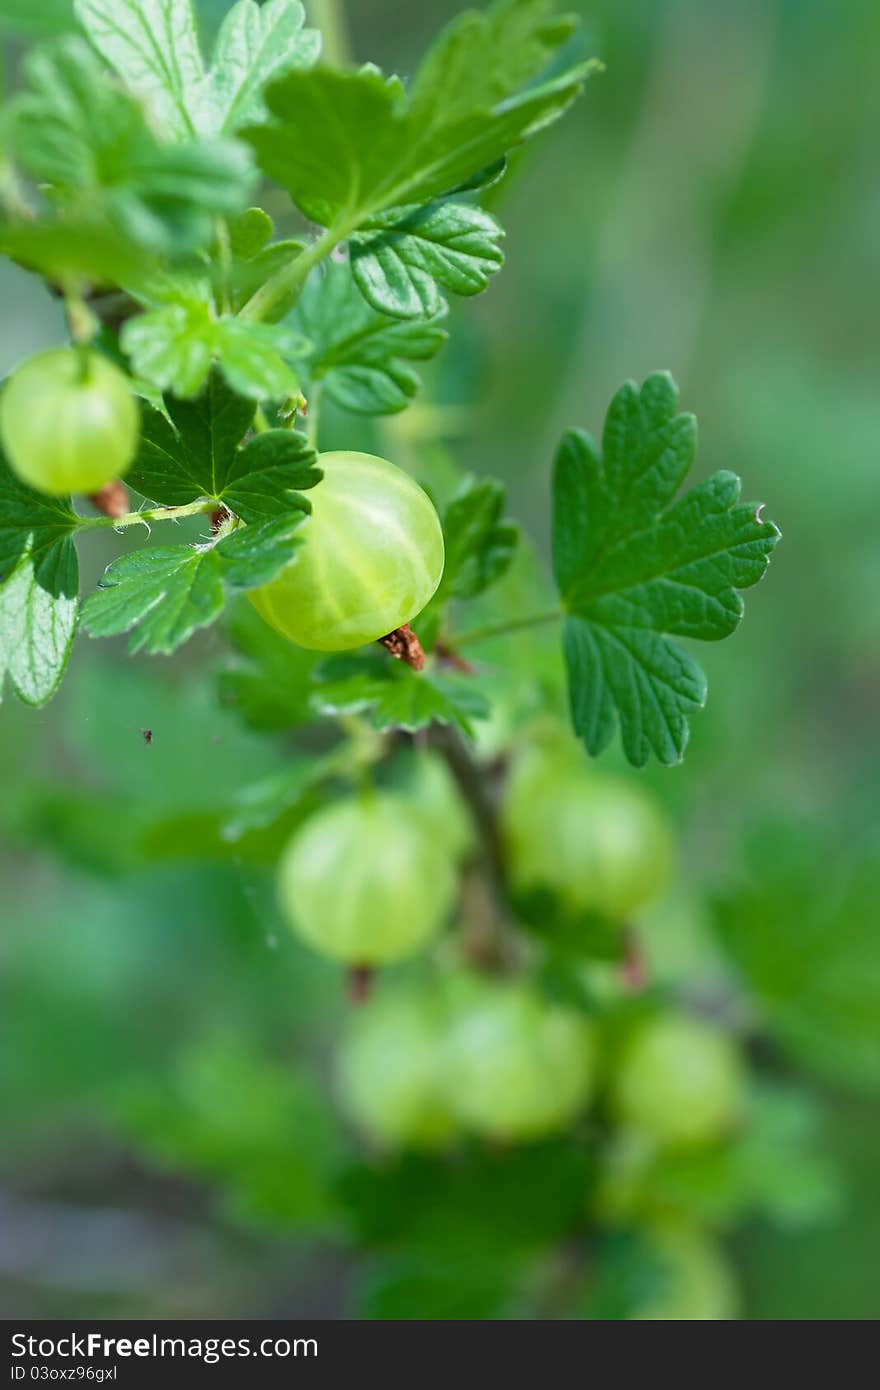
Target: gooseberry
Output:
{"points": [[373, 557], [596, 841], [519, 1066], [69, 421], [679, 1082], [366, 881], [390, 1072]]}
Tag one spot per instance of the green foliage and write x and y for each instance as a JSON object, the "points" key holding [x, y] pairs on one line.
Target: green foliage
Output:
{"points": [[385, 148], [90, 144], [154, 47], [195, 450], [400, 257], [144, 925], [634, 568], [39, 580], [480, 544], [165, 592], [393, 696], [360, 356]]}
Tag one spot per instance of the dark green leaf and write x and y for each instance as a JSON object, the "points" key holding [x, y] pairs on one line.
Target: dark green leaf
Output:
{"points": [[400, 257], [165, 592], [39, 581], [634, 567], [361, 356], [347, 145], [479, 544], [197, 452]]}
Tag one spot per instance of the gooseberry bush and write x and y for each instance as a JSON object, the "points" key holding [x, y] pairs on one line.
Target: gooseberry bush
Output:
{"points": [[445, 813]]}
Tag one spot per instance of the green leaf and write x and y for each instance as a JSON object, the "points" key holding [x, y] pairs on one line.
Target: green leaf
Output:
{"points": [[176, 346], [195, 451], [400, 257], [39, 581], [154, 47], [347, 145], [89, 143], [802, 932], [394, 696], [165, 592], [634, 567], [361, 356], [255, 44], [75, 247], [479, 544], [270, 686]]}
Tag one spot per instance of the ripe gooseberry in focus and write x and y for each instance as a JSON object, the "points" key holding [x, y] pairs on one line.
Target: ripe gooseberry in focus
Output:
{"points": [[372, 558]]}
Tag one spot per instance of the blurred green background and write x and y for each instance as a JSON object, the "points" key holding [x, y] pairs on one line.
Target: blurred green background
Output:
{"points": [[712, 205]]}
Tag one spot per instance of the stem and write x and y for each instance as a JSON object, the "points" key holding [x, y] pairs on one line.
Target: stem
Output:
{"points": [[472, 784], [95, 523], [313, 415], [329, 17], [224, 248], [482, 634], [292, 276]]}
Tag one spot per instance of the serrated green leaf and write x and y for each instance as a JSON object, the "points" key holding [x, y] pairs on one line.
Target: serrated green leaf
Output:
{"points": [[154, 47], [88, 142], [175, 347], [359, 355], [194, 450], [347, 145], [634, 568], [39, 581], [807, 945], [164, 593], [255, 44], [400, 257], [394, 696], [479, 544]]}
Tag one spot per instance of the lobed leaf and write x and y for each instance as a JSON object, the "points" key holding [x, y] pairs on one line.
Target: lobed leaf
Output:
{"points": [[195, 450], [164, 593], [359, 355], [480, 545], [348, 145], [400, 257], [635, 568]]}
